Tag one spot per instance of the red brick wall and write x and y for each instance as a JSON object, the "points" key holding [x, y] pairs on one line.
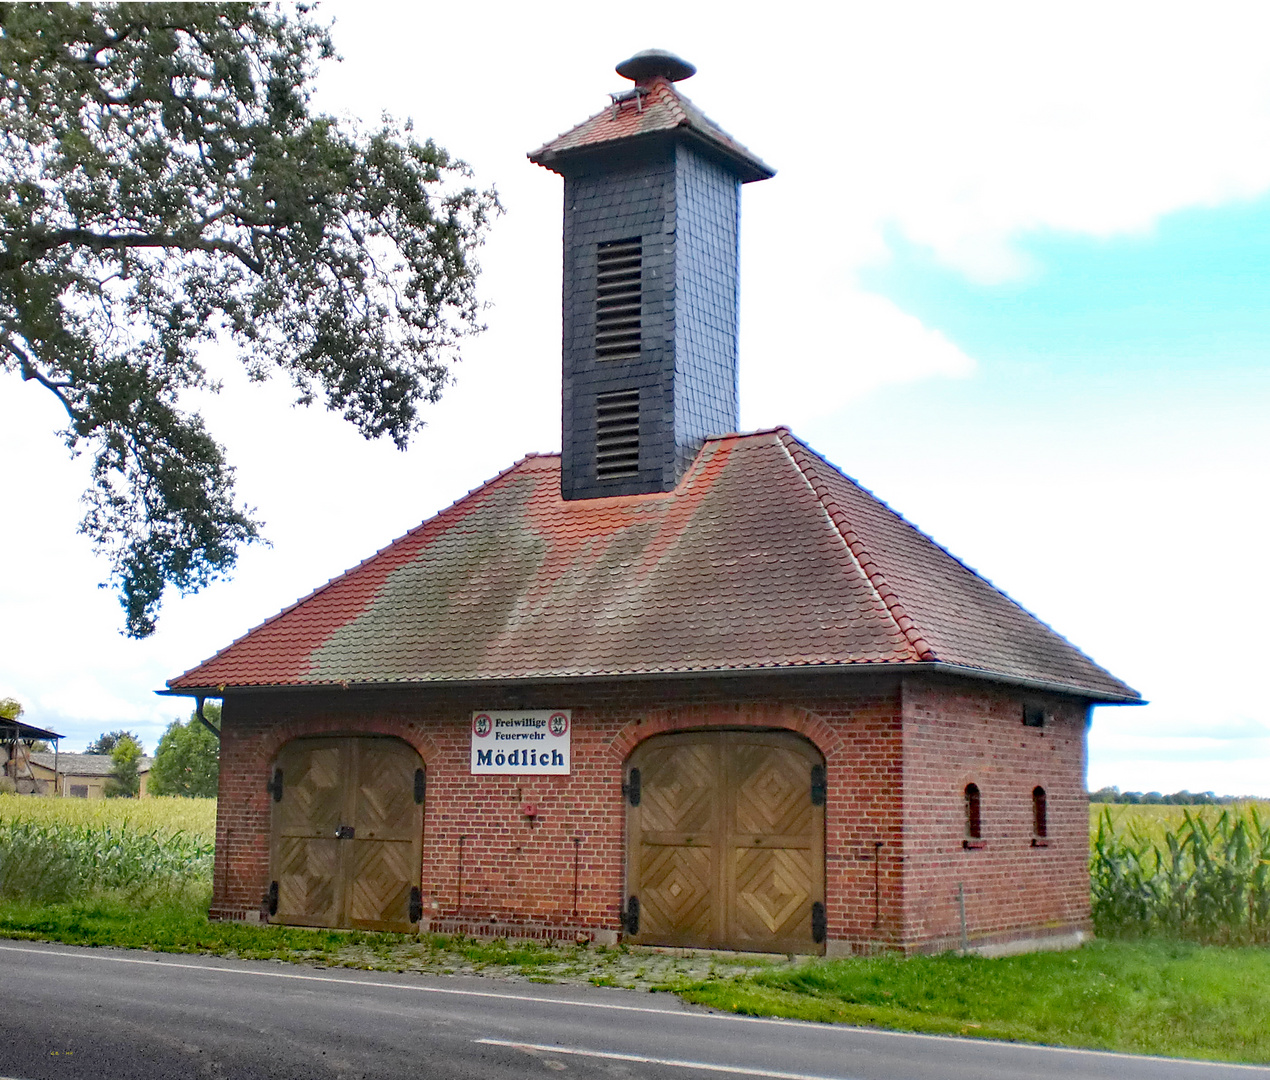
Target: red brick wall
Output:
{"points": [[956, 735], [522, 874]]}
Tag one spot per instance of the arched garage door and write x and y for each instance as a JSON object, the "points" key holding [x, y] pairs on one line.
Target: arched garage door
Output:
{"points": [[726, 842], [347, 833]]}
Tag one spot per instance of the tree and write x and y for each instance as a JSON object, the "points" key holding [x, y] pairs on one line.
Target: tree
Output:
{"points": [[106, 742], [187, 761], [124, 780], [164, 183], [10, 708]]}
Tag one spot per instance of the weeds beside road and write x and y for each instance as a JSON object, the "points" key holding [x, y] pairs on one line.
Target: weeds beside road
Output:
{"points": [[123, 874]]}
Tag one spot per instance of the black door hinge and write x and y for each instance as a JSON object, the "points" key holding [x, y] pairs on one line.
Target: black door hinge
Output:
{"points": [[421, 786], [274, 786], [271, 898], [819, 786], [819, 922], [631, 788], [416, 905], [630, 919]]}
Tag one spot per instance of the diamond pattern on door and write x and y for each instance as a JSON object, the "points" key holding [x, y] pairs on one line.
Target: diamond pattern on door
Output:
{"points": [[364, 788], [307, 873], [675, 898], [773, 893], [385, 808], [379, 890], [678, 789], [313, 780], [725, 849], [772, 790]]}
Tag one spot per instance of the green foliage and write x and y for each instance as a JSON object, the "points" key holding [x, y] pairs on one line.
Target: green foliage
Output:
{"points": [[1206, 880], [105, 742], [10, 708], [50, 861], [1141, 997], [187, 762], [124, 781], [163, 183]]}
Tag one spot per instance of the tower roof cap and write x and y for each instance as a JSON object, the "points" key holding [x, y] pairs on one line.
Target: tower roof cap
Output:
{"points": [[650, 63]]}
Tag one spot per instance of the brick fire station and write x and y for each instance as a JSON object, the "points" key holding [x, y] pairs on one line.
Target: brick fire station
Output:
{"points": [[675, 685]]}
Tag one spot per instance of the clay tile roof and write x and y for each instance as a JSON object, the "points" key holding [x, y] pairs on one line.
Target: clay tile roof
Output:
{"points": [[660, 109], [764, 557]]}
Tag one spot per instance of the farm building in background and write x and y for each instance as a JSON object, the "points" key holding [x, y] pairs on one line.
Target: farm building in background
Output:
{"points": [[18, 772], [675, 685], [83, 776]]}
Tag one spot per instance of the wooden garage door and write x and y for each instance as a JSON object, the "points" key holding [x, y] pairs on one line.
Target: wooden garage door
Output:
{"points": [[347, 833], [725, 841]]}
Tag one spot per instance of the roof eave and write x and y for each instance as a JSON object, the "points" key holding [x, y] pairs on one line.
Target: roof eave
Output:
{"points": [[1085, 693], [747, 167]]}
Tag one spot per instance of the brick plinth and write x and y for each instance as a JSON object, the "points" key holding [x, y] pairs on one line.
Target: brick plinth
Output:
{"points": [[898, 756]]}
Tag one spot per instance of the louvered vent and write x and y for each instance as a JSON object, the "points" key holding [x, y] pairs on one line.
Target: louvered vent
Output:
{"points": [[617, 300], [617, 434]]}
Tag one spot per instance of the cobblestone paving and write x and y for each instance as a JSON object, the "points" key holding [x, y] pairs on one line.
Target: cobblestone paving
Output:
{"points": [[633, 967]]}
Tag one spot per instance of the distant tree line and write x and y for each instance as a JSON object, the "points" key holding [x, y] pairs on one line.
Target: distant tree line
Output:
{"points": [[1154, 798]]}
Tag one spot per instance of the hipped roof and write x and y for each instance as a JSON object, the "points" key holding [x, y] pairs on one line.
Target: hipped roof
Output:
{"points": [[659, 110], [765, 557]]}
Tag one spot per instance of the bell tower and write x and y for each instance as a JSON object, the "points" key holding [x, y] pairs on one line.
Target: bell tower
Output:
{"points": [[651, 219]]}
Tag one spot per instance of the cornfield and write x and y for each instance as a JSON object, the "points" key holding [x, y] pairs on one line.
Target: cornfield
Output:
{"points": [[1205, 879], [54, 850], [165, 814]]}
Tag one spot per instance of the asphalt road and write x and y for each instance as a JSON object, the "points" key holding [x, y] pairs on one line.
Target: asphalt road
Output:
{"points": [[98, 1014]]}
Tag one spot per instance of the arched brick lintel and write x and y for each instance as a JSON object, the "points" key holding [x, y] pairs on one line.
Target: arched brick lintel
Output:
{"points": [[268, 745], [756, 715]]}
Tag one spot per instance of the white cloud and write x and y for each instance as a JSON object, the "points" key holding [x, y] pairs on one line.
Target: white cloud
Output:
{"points": [[785, 358]]}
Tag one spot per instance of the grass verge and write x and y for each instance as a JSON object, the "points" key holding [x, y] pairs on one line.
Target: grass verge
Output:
{"points": [[1149, 997], [1168, 998]]}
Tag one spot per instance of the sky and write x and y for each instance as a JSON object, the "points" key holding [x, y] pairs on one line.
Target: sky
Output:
{"points": [[1012, 275]]}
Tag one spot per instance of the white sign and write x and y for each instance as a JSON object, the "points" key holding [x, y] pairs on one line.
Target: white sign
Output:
{"points": [[534, 741]]}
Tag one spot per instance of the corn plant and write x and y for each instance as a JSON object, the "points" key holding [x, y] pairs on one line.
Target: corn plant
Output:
{"points": [[1208, 879], [47, 862]]}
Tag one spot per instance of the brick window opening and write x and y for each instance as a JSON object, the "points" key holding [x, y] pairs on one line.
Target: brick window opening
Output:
{"points": [[1033, 716], [618, 299], [617, 434], [1040, 822], [974, 823], [79, 791]]}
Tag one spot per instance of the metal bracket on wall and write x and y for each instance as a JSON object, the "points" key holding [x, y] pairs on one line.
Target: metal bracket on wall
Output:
{"points": [[819, 785], [631, 788], [630, 917]]}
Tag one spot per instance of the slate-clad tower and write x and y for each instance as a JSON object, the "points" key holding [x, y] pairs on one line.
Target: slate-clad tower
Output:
{"points": [[651, 216]]}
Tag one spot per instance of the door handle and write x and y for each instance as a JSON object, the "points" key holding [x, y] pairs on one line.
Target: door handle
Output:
{"points": [[344, 832]]}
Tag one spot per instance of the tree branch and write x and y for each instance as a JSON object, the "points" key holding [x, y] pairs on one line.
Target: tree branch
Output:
{"points": [[99, 242], [29, 371]]}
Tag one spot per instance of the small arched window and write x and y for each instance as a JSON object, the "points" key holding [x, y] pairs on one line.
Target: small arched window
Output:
{"points": [[1040, 825], [974, 828]]}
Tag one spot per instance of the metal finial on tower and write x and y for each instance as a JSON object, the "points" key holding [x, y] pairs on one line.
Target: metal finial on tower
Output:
{"points": [[650, 63]]}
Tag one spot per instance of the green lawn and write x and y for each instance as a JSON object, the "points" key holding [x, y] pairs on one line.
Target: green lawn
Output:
{"points": [[1148, 997]]}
